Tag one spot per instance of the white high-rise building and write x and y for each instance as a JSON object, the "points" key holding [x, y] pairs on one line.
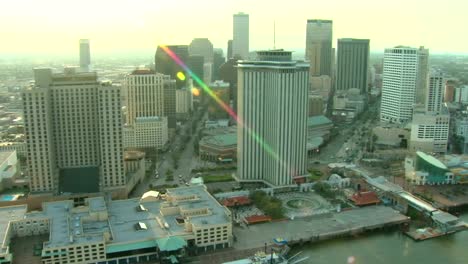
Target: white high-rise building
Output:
{"points": [[240, 40], [404, 72], [145, 94], [146, 132], [272, 105], [73, 131], [85, 55], [435, 92], [184, 103]]}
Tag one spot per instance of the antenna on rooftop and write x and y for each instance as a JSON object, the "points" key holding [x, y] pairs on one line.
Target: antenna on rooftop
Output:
{"points": [[274, 34]]}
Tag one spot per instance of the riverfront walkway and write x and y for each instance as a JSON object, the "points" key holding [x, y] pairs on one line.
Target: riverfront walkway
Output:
{"points": [[318, 228]]}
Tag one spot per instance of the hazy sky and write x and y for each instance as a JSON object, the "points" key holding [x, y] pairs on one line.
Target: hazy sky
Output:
{"points": [[54, 26]]}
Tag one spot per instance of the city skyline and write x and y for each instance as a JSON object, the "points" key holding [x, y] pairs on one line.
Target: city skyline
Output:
{"points": [[131, 28]]}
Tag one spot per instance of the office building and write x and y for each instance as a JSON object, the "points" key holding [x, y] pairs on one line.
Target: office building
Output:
{"points": [[403, 73], [422, 76], [184, 103], [228, 73], [272, 104], [137, 230], [315, 105], [164, 64], [229, 49], [352, 65], [449, 95], [85, 55], [240, 36], [73, 128], [202, 47], [222, 91], [435, 92], [145, 94], [170, 104], [430, 131], [218, 60], [145, 133], [150, 94], [319, 38]]}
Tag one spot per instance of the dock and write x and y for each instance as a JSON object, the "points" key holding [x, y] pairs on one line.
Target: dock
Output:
{"points": [[314, 229]]}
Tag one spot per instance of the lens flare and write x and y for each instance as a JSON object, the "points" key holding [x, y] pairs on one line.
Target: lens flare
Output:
{"points": [[195, 92], [223, 105], [181, 76]]}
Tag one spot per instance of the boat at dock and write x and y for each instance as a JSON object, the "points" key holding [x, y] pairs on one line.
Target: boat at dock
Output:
{"points": [[274, 258]]}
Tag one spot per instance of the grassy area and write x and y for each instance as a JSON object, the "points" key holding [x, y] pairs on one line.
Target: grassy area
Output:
{"points": [[270, 205], [217, 178]]}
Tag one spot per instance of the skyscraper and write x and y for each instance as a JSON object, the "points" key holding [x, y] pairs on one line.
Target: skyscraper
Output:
{"points": [[352, 64], [423, 76], [145, 94], [202, 47], [435, 92], [150, 94], [272, 104], [163, 63], [229, 49], [240, 39], [73, 131], [85, 55], [404, 68], [318, 51]]}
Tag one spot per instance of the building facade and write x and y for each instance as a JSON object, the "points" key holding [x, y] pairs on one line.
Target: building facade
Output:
{"points": [[164, 64], [404, 73], [240, 35], [145, 94], [222, 91], [319, 38], [272, 104], [146, 132], [184, 103], [137, 230], [352, 65], [430, 131], [85, 55], [73, 126], [218, 148], [435, 92]]}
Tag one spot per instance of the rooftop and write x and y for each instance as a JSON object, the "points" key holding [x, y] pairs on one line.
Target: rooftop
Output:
{"points": [[432, 160], [8, 214], [220, 140], [4, 155], [318, 120]]}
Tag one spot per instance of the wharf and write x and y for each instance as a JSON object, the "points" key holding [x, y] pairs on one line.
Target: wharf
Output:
{"points": [[314, 229]]}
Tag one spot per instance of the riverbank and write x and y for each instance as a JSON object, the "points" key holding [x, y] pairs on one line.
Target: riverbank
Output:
{"points": [[250, 239]]}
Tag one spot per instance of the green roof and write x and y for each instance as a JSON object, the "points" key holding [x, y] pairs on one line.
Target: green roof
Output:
{"points": [[112, 248], [318, 120], [164, 244], [430, 159], [221, 140], [171, 243]]}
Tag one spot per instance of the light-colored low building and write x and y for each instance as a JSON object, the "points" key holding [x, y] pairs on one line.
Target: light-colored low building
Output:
{"points": [[347, 105], [392, 137], [20, 147], [121, 231], [146, 132], [319, 126], [430, 131]]}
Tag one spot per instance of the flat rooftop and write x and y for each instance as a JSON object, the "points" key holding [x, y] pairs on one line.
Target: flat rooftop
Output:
{"points": [[7, 215]]}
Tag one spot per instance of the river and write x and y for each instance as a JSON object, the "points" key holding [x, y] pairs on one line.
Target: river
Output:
{"points": [[389, 248]]}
